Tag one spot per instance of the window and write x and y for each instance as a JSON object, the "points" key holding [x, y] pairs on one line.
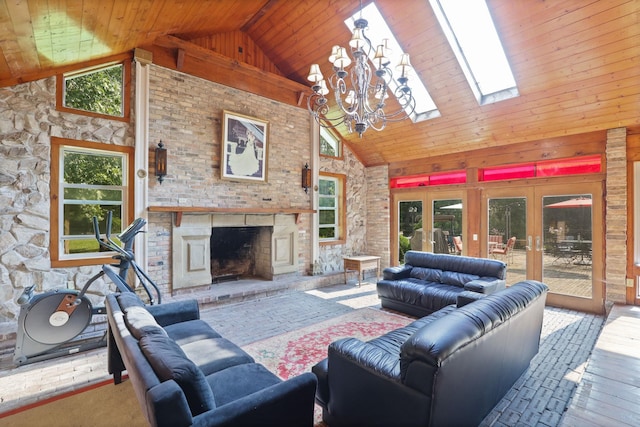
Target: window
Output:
{"points": [[379, 30], [330, 146], [331, 206], [475, 42], [101, 90], [442, 178], [544, 168], [87, 180]]}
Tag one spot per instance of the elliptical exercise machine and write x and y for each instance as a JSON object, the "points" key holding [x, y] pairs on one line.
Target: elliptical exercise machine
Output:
{"points": [[49, 322]]}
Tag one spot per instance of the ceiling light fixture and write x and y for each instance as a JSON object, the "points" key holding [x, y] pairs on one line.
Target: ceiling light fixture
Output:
{"points": [[361, 91]]}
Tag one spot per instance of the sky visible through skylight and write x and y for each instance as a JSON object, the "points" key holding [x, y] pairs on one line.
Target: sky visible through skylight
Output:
{"points": [[473, 37], [379, 30]]}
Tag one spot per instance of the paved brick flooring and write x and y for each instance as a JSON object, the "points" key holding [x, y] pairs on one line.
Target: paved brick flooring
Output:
{"points": [[539, 398]]}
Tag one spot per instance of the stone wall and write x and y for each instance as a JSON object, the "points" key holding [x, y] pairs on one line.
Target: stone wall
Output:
{"points": [[28, 120], [330, 255], [616, 216]]}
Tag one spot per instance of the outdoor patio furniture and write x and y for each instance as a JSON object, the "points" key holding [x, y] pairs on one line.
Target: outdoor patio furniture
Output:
{"points": [[504, 252]]}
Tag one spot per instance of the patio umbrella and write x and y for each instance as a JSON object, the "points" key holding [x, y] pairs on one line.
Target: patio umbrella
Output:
{"points": [[580, 202], [456, 206]]}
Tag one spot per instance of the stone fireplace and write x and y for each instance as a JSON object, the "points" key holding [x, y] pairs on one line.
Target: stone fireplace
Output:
{"points": [[209, 248]]}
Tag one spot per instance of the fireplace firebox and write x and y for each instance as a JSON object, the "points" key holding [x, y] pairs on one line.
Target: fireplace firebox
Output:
{"points": [[240, 252]]}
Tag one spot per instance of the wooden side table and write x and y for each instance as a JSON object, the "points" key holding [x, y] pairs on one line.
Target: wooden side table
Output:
{"points": [[360, 264]]}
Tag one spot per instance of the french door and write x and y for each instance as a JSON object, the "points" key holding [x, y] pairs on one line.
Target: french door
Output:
{"points": [[558, 232], [428, 221]]}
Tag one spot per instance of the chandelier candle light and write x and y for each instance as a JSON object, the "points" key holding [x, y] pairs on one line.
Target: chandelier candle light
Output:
{"points": [[361, 91]]}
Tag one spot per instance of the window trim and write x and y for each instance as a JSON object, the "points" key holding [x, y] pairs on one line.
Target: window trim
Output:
{"points": [[55, 199], [337, 139], [342, 209], [125, 60]]}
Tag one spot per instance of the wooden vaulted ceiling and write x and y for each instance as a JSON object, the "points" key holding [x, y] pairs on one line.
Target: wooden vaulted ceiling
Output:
{"points": [[576, 62]]}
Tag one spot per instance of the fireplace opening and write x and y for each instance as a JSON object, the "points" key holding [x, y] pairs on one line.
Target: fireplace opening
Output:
{"points": [[240, 253]]}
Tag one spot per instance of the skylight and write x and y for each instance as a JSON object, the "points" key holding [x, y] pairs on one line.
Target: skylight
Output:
{"points": [[379, 30], [475, 42]]}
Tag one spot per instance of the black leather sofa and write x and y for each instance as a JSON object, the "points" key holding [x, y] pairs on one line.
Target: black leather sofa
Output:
{"points": [[446, 369], [184, 373], [427, 281]]}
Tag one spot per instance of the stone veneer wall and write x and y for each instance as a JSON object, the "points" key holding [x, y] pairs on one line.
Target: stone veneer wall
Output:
{"points": [[616, 216], [186, 113], [330, 255], [28, 120]]}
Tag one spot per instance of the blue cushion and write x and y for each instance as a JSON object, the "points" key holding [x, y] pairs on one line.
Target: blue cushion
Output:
{"points": [[456, 279], [239, 381], [170, 363], [426, 274]]}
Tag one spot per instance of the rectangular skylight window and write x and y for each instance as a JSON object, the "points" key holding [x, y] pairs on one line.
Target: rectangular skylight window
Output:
{"points": [[475, 42], [379, 30]]}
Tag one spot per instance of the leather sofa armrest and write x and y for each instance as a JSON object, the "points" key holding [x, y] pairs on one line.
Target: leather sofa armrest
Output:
{"points": [[466, 297], [175, 312], [396, 273], [366, 356], [485, 285]]}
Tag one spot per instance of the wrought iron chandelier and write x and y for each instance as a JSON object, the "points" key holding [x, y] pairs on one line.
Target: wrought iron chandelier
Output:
{"points": [[360, 92]]}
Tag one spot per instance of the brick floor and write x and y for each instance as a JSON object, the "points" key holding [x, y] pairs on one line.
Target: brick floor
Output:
{"points": [[539, 398]]}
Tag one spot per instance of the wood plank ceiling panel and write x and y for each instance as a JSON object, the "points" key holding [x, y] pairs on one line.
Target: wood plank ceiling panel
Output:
{"points": [[575, 61]]}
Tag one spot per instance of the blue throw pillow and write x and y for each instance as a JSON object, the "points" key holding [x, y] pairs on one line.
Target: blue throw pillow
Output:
{"points": [[170, 363], [140, 322], [129, 299]]}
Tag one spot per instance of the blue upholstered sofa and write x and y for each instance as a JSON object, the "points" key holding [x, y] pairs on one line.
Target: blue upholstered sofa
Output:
{"points": [[446, 369], [184, 373], [428, 282]]}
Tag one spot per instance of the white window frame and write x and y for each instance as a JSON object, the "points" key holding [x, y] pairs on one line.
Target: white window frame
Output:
{"points": [[337, 143], [62, 237], [339, 207]]}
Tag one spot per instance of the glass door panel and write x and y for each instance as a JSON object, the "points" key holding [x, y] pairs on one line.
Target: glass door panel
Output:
{"points": [[506, 237], [410, 235], [567, 236], [558, 239], [446, 226]]}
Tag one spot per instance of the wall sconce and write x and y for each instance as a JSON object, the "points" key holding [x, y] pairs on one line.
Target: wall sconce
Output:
{"points": [[306, 177], [161, 162]]}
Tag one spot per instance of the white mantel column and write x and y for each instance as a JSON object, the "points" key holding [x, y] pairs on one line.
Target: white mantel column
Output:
{"points": [[141, 166]]}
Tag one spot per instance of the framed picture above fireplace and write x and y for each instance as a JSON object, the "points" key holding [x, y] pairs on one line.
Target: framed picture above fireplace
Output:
{"points": [[244, 147]]}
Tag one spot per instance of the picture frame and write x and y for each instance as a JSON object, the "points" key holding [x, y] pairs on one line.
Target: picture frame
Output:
{"points": [[245, 143]]}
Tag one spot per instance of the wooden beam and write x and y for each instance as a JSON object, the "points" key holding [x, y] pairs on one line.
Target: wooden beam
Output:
{"points": [[180, 210], [180, 59], [212, 66]]}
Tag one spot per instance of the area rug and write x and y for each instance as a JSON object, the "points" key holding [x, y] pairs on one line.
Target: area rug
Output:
{"points": [[295, 352], [97, 405]]}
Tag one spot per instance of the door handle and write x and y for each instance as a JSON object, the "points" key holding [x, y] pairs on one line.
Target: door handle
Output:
{"points": [[538, 243], [529, 242]]}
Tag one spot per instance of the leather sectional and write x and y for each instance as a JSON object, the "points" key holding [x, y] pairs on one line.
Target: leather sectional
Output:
{"points": [[428, 282], [446, 369]]}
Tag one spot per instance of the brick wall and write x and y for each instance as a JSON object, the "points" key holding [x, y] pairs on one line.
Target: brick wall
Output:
{"points": [[186, 113], [379, 214]]}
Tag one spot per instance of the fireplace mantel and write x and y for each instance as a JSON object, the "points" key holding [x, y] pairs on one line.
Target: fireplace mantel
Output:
{"points": [[180, 210]]}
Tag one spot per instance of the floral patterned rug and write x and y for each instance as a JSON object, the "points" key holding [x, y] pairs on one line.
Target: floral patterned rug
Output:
{"points": [[295, 352]]}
